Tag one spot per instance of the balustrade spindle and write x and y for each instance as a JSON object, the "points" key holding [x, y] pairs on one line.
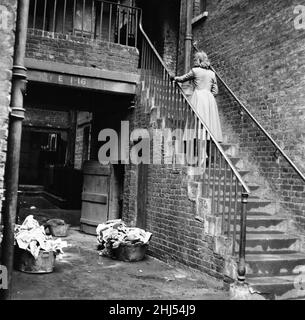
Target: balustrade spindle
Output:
{"points": [[219, 183], [54, 15], [230, 203], [44, 15], [74, 16], [224, 198], [119, 23], [34, 15], [101, 19], [64, 16], [92, 18], [110, 23], [83, 13]]}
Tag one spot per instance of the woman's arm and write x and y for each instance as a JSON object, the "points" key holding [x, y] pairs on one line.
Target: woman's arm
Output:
{"points": [[214, 88], [186, 77]]}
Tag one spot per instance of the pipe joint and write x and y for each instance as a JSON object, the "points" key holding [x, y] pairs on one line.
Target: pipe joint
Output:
{"points": [[18, 113], [19, 72]]}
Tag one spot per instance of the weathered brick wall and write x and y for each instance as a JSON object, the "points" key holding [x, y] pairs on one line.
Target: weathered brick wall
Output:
{"points": [[170, 34], [256, 47], [83, 121], [177, 235], [181, 47], [7, 38], [80, 51], [161, 23]]}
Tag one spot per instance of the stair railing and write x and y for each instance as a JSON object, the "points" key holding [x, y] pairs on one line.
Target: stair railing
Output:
{"points": [[221, 182]]}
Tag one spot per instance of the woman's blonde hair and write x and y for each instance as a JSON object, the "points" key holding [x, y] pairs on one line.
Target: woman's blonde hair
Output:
{"points": [[201, 60]]}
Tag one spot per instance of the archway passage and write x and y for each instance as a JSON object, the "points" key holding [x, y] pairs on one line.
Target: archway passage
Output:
{"points": [[60, 134]]}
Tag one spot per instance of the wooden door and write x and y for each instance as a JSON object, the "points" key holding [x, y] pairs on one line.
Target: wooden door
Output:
{"points": [[95, 195]]}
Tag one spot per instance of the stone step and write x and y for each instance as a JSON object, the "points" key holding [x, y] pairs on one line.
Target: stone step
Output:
{"points": [[235, 160], [253, 187], [252, 205], [279, 287], [270, 242], [29, 190], [274, 264], [259, 213], [220, 174], [243, 173], [263, 224], [230, 149]]}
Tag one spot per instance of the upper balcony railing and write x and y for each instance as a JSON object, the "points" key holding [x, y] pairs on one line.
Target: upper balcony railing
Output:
{"points": [[95, 19]]}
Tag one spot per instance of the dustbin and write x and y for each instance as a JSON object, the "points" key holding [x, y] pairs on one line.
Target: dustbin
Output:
{"points": [[130, 252], [25, 262]]}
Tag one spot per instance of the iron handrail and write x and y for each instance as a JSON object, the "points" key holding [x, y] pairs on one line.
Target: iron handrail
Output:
{"points": [[236, 173], [259, 125], [256, 121]]}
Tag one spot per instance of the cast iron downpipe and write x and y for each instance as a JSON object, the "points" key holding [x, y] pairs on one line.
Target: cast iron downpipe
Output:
{"points": [[188, 36], [14, 142]]}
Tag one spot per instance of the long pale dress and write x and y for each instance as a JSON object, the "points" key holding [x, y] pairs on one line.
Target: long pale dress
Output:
{"points": [[203, 101]]}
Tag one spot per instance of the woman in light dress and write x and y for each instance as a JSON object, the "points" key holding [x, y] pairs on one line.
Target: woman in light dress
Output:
{"points": [[202, 100]]}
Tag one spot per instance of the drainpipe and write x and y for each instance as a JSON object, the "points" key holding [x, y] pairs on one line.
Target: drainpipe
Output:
{"points": [[188, 35], [14, 143]]}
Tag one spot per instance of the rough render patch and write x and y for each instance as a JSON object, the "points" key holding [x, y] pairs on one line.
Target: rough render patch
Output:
{"points": [[193, 190], [203, 208], [244, 292], [195, 171], [223, 246], [230, 268], [212, 225]]}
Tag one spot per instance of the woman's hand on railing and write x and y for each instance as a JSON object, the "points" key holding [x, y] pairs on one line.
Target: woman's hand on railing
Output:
{"points": [[172, 78]]}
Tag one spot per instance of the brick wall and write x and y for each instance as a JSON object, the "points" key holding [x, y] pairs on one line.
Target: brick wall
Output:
{"points": [[256, 48], [182, 29], [161, 23], [177, 235], [38, 117], [84, 119], [7, 25], [81, 51], [170, 34]]}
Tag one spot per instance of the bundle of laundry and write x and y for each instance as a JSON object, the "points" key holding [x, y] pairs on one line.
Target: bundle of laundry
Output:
{"points": [[32, 237], [113, 233]]}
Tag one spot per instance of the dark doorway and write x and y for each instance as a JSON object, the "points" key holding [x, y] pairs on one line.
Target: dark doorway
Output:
{"points": [[40, 150]]}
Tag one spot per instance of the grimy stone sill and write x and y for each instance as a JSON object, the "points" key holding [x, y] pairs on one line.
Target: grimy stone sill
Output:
{"points": [[200, 17]]}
